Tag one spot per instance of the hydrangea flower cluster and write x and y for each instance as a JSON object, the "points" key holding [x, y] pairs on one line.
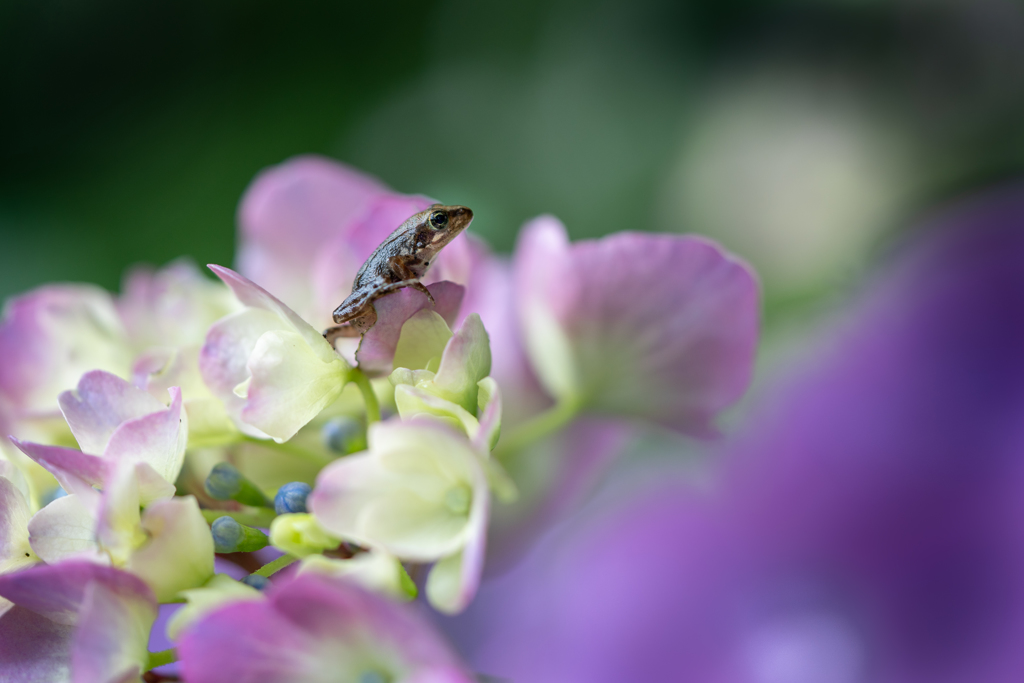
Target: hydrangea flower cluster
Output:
{"points": [[198, 446]]}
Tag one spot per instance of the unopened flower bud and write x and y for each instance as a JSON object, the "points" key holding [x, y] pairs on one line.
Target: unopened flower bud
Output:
{"points": [[231, 537], [292, 498]]}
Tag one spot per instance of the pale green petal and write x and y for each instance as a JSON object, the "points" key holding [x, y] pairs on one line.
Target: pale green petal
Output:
{"points": [[414, 401], [423, 337], [376, 570], [466, 361], [179, 554], [290, 384], [119, 528]]}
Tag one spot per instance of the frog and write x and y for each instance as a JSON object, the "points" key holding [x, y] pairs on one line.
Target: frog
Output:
{"points": [[400, 261]]}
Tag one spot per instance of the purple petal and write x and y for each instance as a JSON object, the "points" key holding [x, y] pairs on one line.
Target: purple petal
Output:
{"points": [[290, 212], [33, 648], [254, 296], [112, 634], [656, 326], [72, 468], [377, 348], [310, 629], [99, 405], [57, 591]]}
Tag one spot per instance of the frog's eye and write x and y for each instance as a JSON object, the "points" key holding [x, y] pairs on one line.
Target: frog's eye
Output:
{"points": [[438, 220]]}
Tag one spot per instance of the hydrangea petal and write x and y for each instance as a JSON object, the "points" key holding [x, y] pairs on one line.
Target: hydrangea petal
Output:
{"points": [[171, 307], [220, 590], [466, 361], [395, 495], [376, 351], [254, 296], [313, 629], [179, 552], [74, 470], [119, 528], [290, 384], [375, 570], [56, 591], [412, 401], [110, 644], [655, 326], [224, 358], [423, 338], [51, 336], [34, 648], [100, 404], [453, 582], [157, 439], [64, 529]]}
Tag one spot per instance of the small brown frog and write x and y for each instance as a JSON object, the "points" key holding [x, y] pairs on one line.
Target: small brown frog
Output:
{"points": [[400, 261]]}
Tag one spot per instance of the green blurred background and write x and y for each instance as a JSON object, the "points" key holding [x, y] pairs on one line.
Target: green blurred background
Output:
{"points": [[804, 135]]}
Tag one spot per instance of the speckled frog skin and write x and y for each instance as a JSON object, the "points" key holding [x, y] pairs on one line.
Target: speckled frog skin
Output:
{"points": [[400, 261]]}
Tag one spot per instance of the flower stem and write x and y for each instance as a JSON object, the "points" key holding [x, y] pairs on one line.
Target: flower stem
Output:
{"points": [[160, 658], [369, 397], [277, 565], [535, 429]]}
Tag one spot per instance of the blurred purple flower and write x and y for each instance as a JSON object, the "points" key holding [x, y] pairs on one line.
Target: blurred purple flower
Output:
{"points": [[75, 621], [316, 628], [867, 527]]}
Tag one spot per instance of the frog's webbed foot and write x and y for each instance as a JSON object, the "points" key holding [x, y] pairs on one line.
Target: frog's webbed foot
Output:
{"points": [[420, 287], [354, 327]]}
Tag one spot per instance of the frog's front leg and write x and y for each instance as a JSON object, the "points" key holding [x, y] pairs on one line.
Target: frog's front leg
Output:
{"points": [[407, 277]]}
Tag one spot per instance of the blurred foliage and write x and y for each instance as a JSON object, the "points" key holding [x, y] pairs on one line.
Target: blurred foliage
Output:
{"points": [[132, 129]]}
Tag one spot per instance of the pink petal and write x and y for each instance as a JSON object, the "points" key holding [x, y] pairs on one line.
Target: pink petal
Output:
{"points": [[377, 348], [99, 405], [289, 212], [73, 469], [658, 326], [33, 648], [157, 439], [306, 631], [50, 337], [57, 591]]}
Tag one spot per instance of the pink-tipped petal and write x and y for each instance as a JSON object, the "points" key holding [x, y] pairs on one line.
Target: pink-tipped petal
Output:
{"points": [[66, 529], [99, 405], [289, 212], [57, 591], [157, 439], [655, 326], [377, 348], [75, 471]]}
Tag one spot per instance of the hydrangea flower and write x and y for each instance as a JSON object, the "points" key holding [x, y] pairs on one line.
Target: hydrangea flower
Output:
{"points": [[315, 628]]}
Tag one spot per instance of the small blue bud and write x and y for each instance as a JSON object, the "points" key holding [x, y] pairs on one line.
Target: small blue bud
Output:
{"points": [[52, 495], [224, 481], [227, 534], [291, 498], [256, 581], [344, 434]]}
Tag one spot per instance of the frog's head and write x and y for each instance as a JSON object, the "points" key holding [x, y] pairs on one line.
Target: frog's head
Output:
{"points": [[439, 225]]}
